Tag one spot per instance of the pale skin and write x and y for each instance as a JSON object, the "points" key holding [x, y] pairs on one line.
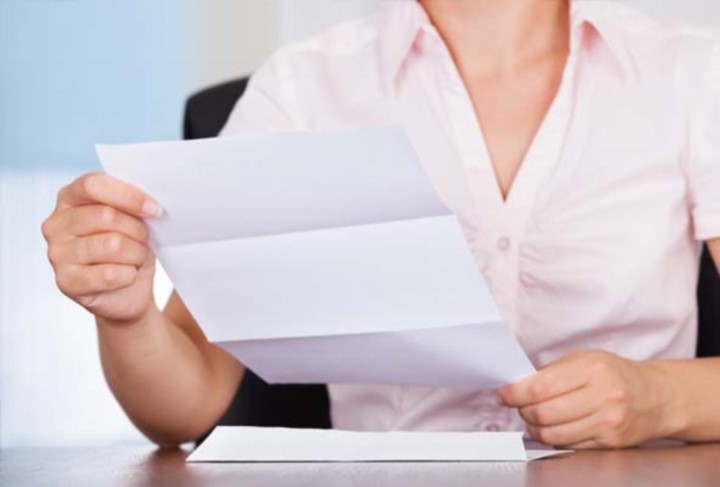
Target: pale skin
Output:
{"points": [[174, 385]]}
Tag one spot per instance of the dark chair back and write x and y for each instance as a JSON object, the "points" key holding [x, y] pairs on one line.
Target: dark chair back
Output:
{"points": [[260, 404], [256, 403], [708, 293]]}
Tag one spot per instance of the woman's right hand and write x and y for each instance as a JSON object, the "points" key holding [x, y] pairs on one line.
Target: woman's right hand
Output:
{"points": [[99, 249]]}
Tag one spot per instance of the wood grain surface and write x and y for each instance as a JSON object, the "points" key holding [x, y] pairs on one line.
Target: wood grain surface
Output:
{"points": [[670, 465]]}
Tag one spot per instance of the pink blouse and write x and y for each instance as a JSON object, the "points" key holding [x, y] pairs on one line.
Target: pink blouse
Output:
{"points": [[598, 242]]}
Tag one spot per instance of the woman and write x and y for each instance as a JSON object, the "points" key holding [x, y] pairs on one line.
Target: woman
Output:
{"points": [[577, 144]]}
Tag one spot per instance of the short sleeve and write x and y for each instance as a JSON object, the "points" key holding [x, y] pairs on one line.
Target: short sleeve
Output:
{"points": [[268, 101], [704, 164]]}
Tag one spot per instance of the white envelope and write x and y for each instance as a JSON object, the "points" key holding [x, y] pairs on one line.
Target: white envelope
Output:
{"points": [[322, 257], [250, 444]]}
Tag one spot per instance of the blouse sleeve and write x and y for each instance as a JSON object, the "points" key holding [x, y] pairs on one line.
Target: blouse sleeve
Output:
{"points": [[267, 103], [704, 164]]}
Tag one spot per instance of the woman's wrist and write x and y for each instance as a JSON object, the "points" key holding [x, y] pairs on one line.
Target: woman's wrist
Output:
{"points": [[150, 315], [137, 331], [674, 403]]}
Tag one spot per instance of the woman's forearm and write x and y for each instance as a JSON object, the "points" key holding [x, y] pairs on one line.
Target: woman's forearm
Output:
{"points": [[172, 387], [695, 388]]}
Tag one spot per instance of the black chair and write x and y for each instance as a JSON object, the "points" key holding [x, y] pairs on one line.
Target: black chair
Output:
{"points": [[708, 293], [256, 402], [260, 404]]}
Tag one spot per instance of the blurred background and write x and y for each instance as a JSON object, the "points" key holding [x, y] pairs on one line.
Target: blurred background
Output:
{"points": [[78, 72]]}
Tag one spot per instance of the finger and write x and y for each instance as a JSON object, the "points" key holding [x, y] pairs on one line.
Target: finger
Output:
{"points": [[87, 220], [558, 378], [100, 188], [77, 281], [584, 445], [574, 432], [101, 248], [562, 409]]}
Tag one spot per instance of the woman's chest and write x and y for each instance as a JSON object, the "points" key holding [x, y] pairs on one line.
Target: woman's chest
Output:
{"points": [[606, 156]]}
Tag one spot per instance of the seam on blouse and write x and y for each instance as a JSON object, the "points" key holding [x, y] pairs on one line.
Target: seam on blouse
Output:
{"points": [[695, 123], [281, 105], [279, 71]]}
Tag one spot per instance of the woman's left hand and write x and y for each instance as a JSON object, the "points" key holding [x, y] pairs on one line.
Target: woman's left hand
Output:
{"points": [[595, 399]]}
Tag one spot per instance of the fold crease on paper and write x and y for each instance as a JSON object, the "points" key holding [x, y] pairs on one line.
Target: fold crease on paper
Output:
{"points": [[322, 257]]}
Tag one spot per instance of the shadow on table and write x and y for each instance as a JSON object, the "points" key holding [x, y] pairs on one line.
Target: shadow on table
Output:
{"points": [[166, 467], [664, 465]]}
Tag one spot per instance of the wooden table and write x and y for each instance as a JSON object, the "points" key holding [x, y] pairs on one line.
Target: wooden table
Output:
{"points": [[676, 466]]}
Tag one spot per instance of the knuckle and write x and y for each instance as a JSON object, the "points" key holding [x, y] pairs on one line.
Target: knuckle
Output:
{"points": [[615, 419], [90, 183], [45, 228], [538, 390], [599, 367], [107, 215], [543, 414], [110, 275], [116, 276], [618, 396], [133, 198], [63, 280], [113, 244], [53, 254]]}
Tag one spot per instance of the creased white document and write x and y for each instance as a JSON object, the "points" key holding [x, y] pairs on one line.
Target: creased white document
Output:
{"points": [[322, 257], [249, 444]]}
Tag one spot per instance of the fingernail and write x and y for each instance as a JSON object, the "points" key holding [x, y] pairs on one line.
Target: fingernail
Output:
{"points": [[151, 208]]}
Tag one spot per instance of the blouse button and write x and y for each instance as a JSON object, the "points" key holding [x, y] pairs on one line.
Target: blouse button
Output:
{"points": [[503, 244], [492, 427]]}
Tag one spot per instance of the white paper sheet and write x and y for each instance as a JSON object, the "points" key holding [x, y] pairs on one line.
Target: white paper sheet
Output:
{"points": [[456, 356], [249, 444], [322, 257], [251, 185]]}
